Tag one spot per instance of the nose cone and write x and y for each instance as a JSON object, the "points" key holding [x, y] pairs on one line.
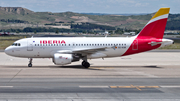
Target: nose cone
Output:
{"points": [[6, 50]]}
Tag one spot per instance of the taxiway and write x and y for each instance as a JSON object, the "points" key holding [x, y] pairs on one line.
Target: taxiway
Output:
{"points": [[142, 77]]}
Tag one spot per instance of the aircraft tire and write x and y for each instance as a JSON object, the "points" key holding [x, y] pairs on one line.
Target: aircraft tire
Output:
{"points": [[85, 64], [29, 65]]}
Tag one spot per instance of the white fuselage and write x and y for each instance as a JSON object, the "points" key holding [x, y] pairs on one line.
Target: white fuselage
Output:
{"points": [[46, 47]]}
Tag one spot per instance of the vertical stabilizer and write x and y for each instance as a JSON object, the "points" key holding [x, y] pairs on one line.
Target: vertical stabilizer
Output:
{"points": [[156, 26], [151, 35]]}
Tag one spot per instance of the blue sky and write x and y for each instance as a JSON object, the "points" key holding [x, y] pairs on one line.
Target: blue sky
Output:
{"points": [[94, 6]]}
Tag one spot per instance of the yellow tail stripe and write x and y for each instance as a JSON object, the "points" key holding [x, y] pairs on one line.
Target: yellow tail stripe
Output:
{"points": [[161, 11]]}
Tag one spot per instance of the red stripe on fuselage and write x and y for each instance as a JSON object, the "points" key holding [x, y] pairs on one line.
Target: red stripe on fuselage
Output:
{"points": [[152, 32]]}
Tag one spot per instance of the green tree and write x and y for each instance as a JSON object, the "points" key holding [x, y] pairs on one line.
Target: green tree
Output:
{"points": [[17, 31], [35, 32], [119, 31], [111, 32], [57, 32]]}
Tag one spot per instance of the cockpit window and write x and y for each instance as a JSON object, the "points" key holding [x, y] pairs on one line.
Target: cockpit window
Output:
{"points": [[16, 44]]}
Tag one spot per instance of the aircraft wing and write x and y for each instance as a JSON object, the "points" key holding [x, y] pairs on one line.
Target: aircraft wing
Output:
{"points": [[89, 50], [84, 50]]}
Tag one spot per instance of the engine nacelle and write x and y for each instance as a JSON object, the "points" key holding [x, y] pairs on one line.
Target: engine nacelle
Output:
{"points": [[62, 59]]}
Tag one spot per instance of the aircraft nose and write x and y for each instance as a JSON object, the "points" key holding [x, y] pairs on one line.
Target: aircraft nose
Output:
{"points": [[7, 50]]}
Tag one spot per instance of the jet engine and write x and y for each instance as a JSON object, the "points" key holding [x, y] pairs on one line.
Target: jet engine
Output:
{"points": [[63, 59]]}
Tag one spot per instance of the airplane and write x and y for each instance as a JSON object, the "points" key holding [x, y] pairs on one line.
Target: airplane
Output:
{"points": [[65, 50], [6, 33]]}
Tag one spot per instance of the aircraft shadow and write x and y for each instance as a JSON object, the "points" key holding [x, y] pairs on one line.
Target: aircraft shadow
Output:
{"points": [[81, 67]]}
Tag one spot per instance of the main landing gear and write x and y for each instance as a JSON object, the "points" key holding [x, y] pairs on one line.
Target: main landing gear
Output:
{"points": [[30, 62], [85, 64]]}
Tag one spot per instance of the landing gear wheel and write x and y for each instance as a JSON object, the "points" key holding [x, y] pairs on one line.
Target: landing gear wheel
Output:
{"points": [[85, 64], [29, 65], [30, 62]]}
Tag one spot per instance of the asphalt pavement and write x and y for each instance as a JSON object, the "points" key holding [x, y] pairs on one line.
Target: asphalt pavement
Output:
{"points": [[150, 76]]}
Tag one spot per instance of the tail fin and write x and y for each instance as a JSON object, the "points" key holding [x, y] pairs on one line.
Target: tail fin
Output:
{"points": [[156, 26]]}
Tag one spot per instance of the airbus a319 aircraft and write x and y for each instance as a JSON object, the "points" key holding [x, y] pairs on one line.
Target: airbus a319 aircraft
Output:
{"points": [[65, 50]]}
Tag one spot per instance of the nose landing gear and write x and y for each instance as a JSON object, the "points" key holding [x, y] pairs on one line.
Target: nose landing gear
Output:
{"points": [[30, 62]]}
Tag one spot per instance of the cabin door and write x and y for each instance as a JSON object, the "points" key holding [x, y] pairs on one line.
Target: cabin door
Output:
{"points": [[30, 45], [135, 45]]}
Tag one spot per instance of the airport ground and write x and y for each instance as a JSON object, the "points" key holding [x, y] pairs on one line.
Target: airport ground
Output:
{"points": [[149, 76]]}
